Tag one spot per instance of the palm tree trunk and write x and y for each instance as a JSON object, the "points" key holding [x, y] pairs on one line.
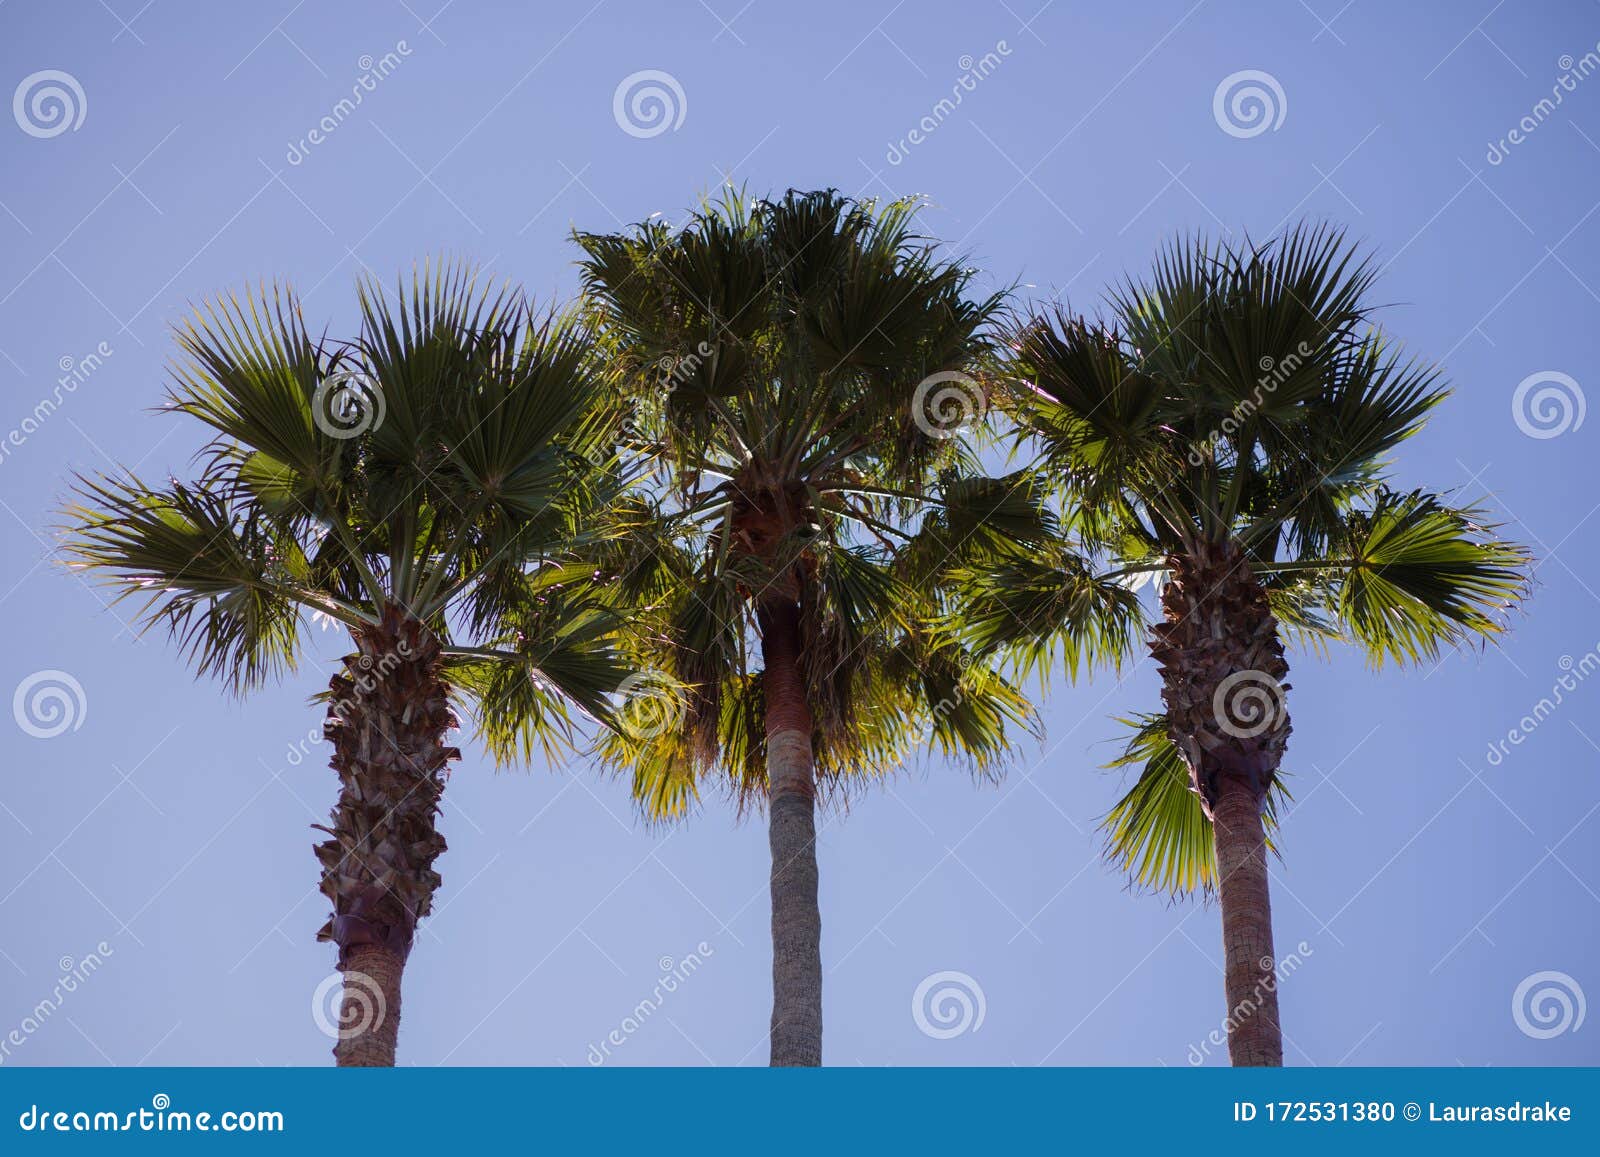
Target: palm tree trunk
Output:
{"points": [[388, 715], [369, 1010], [1222, 670], [1249, 973], [792, 835]]}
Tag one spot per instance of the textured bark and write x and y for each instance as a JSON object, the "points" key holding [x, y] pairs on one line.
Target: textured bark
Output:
{"points": [[369, 1010], [387, 717], [1223, 671], [1254, 1037], [792, 835]]}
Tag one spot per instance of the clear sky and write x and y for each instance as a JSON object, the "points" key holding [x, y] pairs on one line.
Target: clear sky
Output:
{"points": [[1426, 879]]}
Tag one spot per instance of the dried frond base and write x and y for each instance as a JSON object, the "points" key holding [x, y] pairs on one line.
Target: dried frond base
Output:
{"points": [[387, 719], [1222, 671]]}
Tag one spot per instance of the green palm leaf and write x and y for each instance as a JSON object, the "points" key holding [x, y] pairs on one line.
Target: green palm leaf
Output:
{"points": [[479, 472], [1157, 833], [1425, 576], [1238, 401]]}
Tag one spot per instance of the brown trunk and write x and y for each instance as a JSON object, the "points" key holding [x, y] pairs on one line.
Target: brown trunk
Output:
{"points": [[369, 1012], [1249, 976], [792, 835], [1222, 670], [388, 715]]}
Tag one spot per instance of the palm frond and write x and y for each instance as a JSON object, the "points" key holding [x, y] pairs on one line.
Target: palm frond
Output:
{"points": [[251, 372], [1157, 833], [771, 352], [230, 589], [481, 462], [1423, 576], [1036, 610]]}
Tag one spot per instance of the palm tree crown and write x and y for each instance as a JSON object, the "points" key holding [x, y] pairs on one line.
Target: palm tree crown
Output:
{"points": [[772, 355], [803, 373], [440, 463], [433, 484], [1227, 431], [1242, 399]]}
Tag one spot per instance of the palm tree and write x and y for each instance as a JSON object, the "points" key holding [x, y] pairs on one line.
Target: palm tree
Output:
{"points": [[430, 485], [800, 372], [1227, 430]]}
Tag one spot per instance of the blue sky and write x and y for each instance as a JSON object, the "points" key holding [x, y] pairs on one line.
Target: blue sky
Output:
{"points": [[1425, 880]]}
